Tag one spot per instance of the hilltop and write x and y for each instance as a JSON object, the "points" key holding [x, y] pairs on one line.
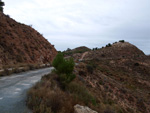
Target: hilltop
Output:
{"points": [[115, 51], [81, 49], [20, 43]]}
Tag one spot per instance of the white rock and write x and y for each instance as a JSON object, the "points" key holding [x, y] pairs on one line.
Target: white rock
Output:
{"points": [[83, 109]]}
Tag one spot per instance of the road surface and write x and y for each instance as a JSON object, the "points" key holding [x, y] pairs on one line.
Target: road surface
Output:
{"points": [[13, 90]]}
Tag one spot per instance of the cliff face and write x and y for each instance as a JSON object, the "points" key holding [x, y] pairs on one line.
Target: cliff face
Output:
{"points": [[20, 43]]}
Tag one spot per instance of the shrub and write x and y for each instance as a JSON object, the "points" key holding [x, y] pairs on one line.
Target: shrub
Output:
{"points": [[81, 93], [108, 45], [90, 68], [1, 6], [31, 67], [55, 101], [5, 72], [47, 97], [66, 78], [95, 48], [136, 64], [81, 72], [58, 60], [64, 68], [121, 41]]}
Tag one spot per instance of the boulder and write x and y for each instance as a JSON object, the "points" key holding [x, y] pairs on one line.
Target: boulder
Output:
{"points": [[83, 109]]}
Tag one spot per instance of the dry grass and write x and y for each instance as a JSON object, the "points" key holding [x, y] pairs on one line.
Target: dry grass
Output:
{"points": [[118, 83], [48, 95]]}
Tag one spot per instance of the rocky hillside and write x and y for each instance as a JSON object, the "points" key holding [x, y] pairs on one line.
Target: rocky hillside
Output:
{"points": [[115, 51], [77, 50], [113, 79], [20, 43], [119, 76]]}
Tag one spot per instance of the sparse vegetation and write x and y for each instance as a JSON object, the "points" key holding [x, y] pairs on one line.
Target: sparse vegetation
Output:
{"points": [[117, 79], [48, 97], [95, 49], [27, 47], [49, 93], [76, 50], [81, 93], [106, 83], [108, 45], [90, 68], [136, 64], [8, 70]]}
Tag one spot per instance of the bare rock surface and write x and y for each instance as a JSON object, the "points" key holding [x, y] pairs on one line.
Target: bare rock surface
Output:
{"points": [[83, 109]]}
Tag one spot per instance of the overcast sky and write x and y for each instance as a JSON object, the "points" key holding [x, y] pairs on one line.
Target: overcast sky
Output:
{"points": [[91, 23]]}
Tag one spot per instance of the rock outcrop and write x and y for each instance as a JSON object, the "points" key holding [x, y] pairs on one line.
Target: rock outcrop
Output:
{"points": [[83, 109], [20, 43]]}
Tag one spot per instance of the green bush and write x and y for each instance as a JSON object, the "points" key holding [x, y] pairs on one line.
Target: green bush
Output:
{"points": [[121, 41], [58, 60], [66, 78], [108, 45], [64, 68]]}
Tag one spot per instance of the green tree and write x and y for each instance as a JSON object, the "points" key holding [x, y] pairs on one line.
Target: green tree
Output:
{"points": [[64, 68], [1, 6], [59, 59]]}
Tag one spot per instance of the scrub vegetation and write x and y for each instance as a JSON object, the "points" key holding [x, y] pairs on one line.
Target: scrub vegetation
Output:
{"points": [[59, 91]]}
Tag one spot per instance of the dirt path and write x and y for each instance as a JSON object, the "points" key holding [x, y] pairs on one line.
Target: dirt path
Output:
{"points": [[83, 55]]}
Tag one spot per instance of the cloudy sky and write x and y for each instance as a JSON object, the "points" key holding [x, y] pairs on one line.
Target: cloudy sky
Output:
{"points": [[91, 23]]}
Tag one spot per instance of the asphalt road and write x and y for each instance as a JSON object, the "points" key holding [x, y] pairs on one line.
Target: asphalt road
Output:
{"points": [[13, 90]]}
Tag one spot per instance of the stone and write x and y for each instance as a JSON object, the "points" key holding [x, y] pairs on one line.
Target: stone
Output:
{"points": [[83, 109]]}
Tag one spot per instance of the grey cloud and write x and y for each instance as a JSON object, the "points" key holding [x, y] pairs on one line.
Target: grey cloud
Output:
{"points": [[86, 22]]}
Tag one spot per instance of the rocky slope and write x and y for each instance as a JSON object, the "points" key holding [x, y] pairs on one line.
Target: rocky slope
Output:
{"points": [[119, 76], [76, 53], [77, 50], [113, 79], [116, 51], [20, 43]]}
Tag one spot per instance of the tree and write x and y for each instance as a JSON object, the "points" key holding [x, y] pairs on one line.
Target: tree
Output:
{"points": [[1, 6], [58, 60], [64, 68]]}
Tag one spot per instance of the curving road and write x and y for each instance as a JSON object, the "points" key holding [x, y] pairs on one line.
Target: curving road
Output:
{"points": [[13, 90]]}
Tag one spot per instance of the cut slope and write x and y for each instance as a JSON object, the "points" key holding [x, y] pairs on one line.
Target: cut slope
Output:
{"points": [[20, 43]]}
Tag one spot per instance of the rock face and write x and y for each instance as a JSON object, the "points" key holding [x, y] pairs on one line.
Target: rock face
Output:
{"points": [[83, 109], [20, 43]]}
